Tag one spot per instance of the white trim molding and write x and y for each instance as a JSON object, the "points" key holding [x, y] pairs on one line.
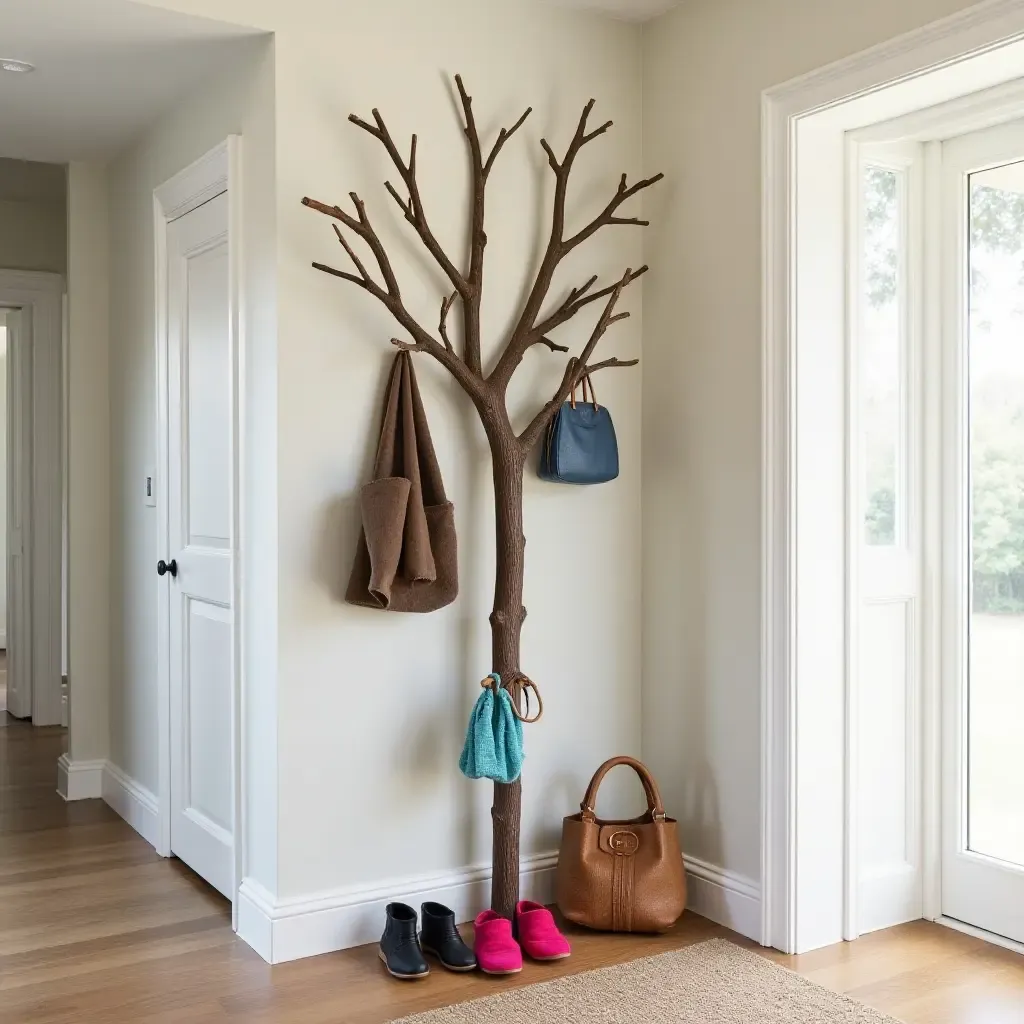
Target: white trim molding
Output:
{"points": [[289, 929], [79, 780], [102, 780], [132, 801], [804, 670], [724, 897]]}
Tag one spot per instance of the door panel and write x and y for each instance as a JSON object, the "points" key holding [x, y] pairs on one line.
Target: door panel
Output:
{"points": [[200, 517], [886, 553], [983, 721]]}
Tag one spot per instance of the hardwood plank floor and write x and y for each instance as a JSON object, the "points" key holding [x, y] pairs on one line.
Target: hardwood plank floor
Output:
{"points": [[96, 929]]}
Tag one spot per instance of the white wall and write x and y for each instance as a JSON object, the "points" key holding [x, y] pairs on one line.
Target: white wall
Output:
{"points": [[33, 235], [239, 101], [3, 482], [88, 431], [372, 708], [705, 66]]}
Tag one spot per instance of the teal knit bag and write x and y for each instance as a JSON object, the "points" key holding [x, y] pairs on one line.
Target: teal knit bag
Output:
{"points": [[494, 739]]}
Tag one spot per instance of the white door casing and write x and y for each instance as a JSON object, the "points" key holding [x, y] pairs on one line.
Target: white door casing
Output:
{"points": [[804, 122], [200, 522]]}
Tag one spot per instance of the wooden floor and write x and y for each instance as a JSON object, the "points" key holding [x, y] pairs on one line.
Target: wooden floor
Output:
{"points": [[96, 929]]}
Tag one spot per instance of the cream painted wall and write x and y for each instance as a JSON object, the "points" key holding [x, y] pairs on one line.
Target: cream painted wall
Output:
{"points": [[33, 235], [705, 66], [88, 430], [376, 704], [239, 101], [372, 708], [3, 480]]}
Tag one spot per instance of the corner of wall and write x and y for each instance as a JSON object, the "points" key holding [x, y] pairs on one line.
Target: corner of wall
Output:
{"points": [[88, 445]]}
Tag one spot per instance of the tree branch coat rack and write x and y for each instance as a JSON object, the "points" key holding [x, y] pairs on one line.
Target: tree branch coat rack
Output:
{"points": [[509, 450]]}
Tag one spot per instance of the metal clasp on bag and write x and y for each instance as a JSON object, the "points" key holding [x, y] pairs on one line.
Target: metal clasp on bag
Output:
{"points": [[624, 843]]}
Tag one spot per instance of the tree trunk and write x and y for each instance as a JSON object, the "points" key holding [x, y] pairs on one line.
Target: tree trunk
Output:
{"points": [[506, 627]]}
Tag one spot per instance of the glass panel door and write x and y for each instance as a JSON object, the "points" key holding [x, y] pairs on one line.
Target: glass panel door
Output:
{"points": [[983, 511], [995, 370]]}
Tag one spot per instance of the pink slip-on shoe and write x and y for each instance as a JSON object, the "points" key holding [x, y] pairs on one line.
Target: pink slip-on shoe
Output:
{"points": [[538, 934], [496, 951]]}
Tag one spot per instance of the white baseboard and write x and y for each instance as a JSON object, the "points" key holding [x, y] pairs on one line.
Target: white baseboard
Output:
{"points": [[136, 804], [283, 930], [79, 780], [724, 897]]}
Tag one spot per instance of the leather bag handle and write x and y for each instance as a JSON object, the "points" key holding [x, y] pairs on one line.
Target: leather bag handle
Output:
{"points": [[654, 803], [585, 382]]}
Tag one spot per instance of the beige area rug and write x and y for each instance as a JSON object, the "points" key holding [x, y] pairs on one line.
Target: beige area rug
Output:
{"points": [[712, 982]]}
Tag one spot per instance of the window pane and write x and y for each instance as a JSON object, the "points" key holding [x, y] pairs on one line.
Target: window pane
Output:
{"points": [[996, 404], [881, 337]]}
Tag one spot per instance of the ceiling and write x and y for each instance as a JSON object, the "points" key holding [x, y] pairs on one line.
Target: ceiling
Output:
{"points": [[104, 69], [632, 10]]}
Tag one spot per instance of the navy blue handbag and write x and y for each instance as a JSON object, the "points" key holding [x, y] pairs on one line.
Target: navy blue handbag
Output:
{"points": [[580, 445]]}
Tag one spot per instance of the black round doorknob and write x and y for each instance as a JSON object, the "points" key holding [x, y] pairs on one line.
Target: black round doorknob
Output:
{"points": [[163, 568]]}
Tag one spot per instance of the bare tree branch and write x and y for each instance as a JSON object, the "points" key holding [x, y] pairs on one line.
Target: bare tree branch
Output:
{"points": [[607, 364], [446, 305], [408, 346], [361, 226], [477, 236], [527, 329], [390, 296], [576, 369], [413, 209], [607, 215], [577, 299], [503, 136], [552, 345], [351, 252]]}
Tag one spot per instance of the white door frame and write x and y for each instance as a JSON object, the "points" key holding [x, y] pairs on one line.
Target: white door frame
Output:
{"points": [[808, 858], [42, 294], [218, 171]]}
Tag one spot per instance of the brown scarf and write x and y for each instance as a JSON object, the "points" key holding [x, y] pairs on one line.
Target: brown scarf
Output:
{"points": [[407, 557]]}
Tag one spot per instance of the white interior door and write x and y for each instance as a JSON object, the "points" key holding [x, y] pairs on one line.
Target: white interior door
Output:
{"points": [[200, 517], [19, 520], [983, 551]]}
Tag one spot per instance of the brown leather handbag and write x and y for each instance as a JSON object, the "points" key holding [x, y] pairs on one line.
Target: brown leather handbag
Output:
{"points": [[621, 876]]}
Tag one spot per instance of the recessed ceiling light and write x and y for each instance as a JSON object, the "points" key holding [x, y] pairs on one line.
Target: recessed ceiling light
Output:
{"points": [[18, 66]]}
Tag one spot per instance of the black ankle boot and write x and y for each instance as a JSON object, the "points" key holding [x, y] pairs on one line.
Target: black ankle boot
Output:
{"points": [[399, 947], [440, 937]]}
